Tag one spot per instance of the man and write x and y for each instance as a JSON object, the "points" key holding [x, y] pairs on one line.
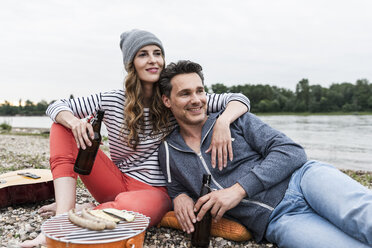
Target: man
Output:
{"points": [[269, 186]]}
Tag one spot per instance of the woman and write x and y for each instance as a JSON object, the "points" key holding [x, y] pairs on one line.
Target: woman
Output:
{"points": [[132, 178]]}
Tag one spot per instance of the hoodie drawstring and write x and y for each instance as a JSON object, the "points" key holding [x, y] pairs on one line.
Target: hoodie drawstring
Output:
{"points": [[167, 161]]}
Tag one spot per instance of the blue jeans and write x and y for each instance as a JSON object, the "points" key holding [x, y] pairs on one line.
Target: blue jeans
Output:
{"points": [[322, 208]]}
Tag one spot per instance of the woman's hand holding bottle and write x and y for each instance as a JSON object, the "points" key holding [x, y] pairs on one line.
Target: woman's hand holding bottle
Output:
{"points": [[80, 128]]}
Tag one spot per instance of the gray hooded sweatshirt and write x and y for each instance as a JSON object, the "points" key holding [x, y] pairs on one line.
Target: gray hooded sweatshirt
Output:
{"points": [[264, 160]]}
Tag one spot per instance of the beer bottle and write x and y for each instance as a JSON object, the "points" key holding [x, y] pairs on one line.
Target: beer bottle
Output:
{"points": [[85, 158], [200, 236]]}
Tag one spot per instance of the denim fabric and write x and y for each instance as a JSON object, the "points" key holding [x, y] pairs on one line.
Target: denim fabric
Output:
{"points": [[322, 207]]}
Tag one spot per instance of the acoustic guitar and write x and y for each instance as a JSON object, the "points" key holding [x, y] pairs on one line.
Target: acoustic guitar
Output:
{"points": [[25, 186]]}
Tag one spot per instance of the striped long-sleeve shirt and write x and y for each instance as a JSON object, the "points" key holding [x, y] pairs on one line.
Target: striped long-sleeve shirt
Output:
{"points": [[141, 163]]}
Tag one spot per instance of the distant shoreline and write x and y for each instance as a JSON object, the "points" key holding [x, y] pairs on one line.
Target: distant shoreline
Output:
{"points": [[28, 131]]}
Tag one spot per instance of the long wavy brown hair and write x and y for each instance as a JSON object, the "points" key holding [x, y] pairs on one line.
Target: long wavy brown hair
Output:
{"points": [[133, 110]]}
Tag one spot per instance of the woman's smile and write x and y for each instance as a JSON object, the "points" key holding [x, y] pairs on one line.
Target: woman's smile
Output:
{"points": [[153, 69]]}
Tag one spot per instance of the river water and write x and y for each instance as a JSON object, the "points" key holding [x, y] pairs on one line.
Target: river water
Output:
{"points": [[344, 141]]}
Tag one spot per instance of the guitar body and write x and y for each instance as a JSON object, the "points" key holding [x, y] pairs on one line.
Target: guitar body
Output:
{"points": [[18, 187]]}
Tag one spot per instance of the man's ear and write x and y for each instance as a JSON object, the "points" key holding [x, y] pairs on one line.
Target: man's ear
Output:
{"points": [[166, 101]]}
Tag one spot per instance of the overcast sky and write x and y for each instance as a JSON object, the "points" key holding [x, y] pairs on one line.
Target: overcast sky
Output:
{"points": [[50, 49]]}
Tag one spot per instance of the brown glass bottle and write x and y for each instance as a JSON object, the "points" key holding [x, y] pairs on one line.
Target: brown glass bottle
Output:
{"points": [[85, 158], [201, 234]]}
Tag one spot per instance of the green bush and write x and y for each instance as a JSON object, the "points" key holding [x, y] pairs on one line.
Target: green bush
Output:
{"points": [[5, 127]]}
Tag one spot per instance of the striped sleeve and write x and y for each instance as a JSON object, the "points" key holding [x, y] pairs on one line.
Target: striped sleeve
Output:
{"points": [[80, 107], [218, 102]]}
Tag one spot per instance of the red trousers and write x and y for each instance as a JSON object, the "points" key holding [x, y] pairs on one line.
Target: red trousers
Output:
{"points": [[107, 184]]}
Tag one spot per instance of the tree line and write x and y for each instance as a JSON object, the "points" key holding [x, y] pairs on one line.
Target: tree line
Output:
{"points": [[29, 108], [339, 97], [345, 97]]}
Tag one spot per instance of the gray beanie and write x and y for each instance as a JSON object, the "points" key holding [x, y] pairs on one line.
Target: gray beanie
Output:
{"points": [[134, 40]]}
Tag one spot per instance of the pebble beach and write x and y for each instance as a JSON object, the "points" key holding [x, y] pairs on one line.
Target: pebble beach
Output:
{"points": [[22, 149]]}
